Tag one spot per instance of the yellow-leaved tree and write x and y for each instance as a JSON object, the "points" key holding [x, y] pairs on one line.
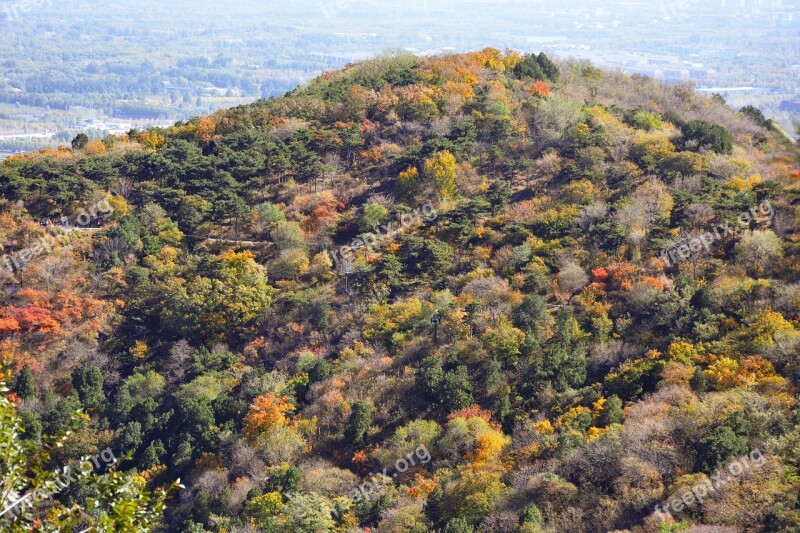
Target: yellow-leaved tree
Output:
{"points": [[440, 169]]}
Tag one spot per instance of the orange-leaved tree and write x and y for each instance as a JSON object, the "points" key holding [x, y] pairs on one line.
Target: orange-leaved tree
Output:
{"points": [[266, 412]]}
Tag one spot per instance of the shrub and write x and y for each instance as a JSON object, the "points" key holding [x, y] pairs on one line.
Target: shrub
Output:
{"points": [[709, 135], [722, 445]]}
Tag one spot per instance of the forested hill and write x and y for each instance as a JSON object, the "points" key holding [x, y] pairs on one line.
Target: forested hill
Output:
{"points": [[479, 292]]}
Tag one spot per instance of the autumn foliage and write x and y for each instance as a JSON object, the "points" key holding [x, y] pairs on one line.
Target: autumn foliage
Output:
{"points": [[265, 413], [514, 335]]}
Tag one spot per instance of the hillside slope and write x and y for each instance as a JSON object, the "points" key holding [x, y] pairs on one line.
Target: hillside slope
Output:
{"points": [[480, 292]]}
